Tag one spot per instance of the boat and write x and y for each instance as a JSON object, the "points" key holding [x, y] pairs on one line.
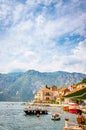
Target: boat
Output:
{"points": [[35, 111], [73, 108], [55, 117], [65, 107]]}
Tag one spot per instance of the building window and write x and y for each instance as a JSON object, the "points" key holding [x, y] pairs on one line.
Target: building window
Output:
{"points": [[47, 94], [47, 98]]}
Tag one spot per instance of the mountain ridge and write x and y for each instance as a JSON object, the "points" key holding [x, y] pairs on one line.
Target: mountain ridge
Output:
{"points": [[22, 86]]}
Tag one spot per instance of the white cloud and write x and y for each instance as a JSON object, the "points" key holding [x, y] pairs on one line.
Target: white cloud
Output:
{"points": [[80, 51], [31, 38], [72, 63]]}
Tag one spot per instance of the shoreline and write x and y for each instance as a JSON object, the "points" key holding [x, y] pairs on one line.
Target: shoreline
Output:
{"points": [[43, 104]]}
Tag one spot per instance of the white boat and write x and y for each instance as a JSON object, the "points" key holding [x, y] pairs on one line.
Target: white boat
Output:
{"points": [[55, 117]]}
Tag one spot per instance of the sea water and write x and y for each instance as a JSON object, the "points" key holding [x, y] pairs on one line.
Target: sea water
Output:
{"points": [[12, 117]]}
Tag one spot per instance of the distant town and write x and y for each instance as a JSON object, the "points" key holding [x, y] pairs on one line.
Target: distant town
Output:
{"points": [[57, 95]]}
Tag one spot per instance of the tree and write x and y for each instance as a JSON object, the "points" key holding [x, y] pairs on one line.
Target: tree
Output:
{"points": [[84, 80]]}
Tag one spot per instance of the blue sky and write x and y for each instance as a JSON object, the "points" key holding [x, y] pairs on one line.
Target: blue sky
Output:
{"points": [[45, 35]]}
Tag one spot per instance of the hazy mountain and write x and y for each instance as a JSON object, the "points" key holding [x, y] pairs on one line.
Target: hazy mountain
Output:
{"points": [[22, 86]]}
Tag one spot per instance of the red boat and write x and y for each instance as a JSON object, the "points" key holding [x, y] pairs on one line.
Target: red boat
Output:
{"points": [[73, 108]]}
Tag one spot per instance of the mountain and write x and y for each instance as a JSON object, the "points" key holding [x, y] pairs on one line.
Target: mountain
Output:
{"points": [[21, 86]]}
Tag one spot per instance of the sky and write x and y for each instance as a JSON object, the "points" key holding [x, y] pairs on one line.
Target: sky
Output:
{"points": [[44, 35]]}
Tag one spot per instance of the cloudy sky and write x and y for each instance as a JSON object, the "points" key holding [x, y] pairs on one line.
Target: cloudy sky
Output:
{"points": [[45, 35]]}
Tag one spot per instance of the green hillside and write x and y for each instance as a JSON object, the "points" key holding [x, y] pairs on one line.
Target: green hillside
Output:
{"points": [[80, 94]]}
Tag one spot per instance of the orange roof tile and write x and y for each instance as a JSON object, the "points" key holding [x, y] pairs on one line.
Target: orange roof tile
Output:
{"points": [[62, 89], [45, 90]]}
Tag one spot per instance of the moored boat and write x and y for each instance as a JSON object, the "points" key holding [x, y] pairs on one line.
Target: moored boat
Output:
{"points": [[35, 111], [73, 108], [66, 108], [55, 117]]}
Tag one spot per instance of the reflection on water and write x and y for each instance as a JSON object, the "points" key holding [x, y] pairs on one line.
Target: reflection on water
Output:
{"points": [[12, 117]]}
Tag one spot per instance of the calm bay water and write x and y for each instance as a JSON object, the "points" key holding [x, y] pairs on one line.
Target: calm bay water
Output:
{"points": [[12, 117]]}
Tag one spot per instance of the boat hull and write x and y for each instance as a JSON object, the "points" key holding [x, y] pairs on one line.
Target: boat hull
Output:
{"points": [[75, 111], [55, 119]]}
